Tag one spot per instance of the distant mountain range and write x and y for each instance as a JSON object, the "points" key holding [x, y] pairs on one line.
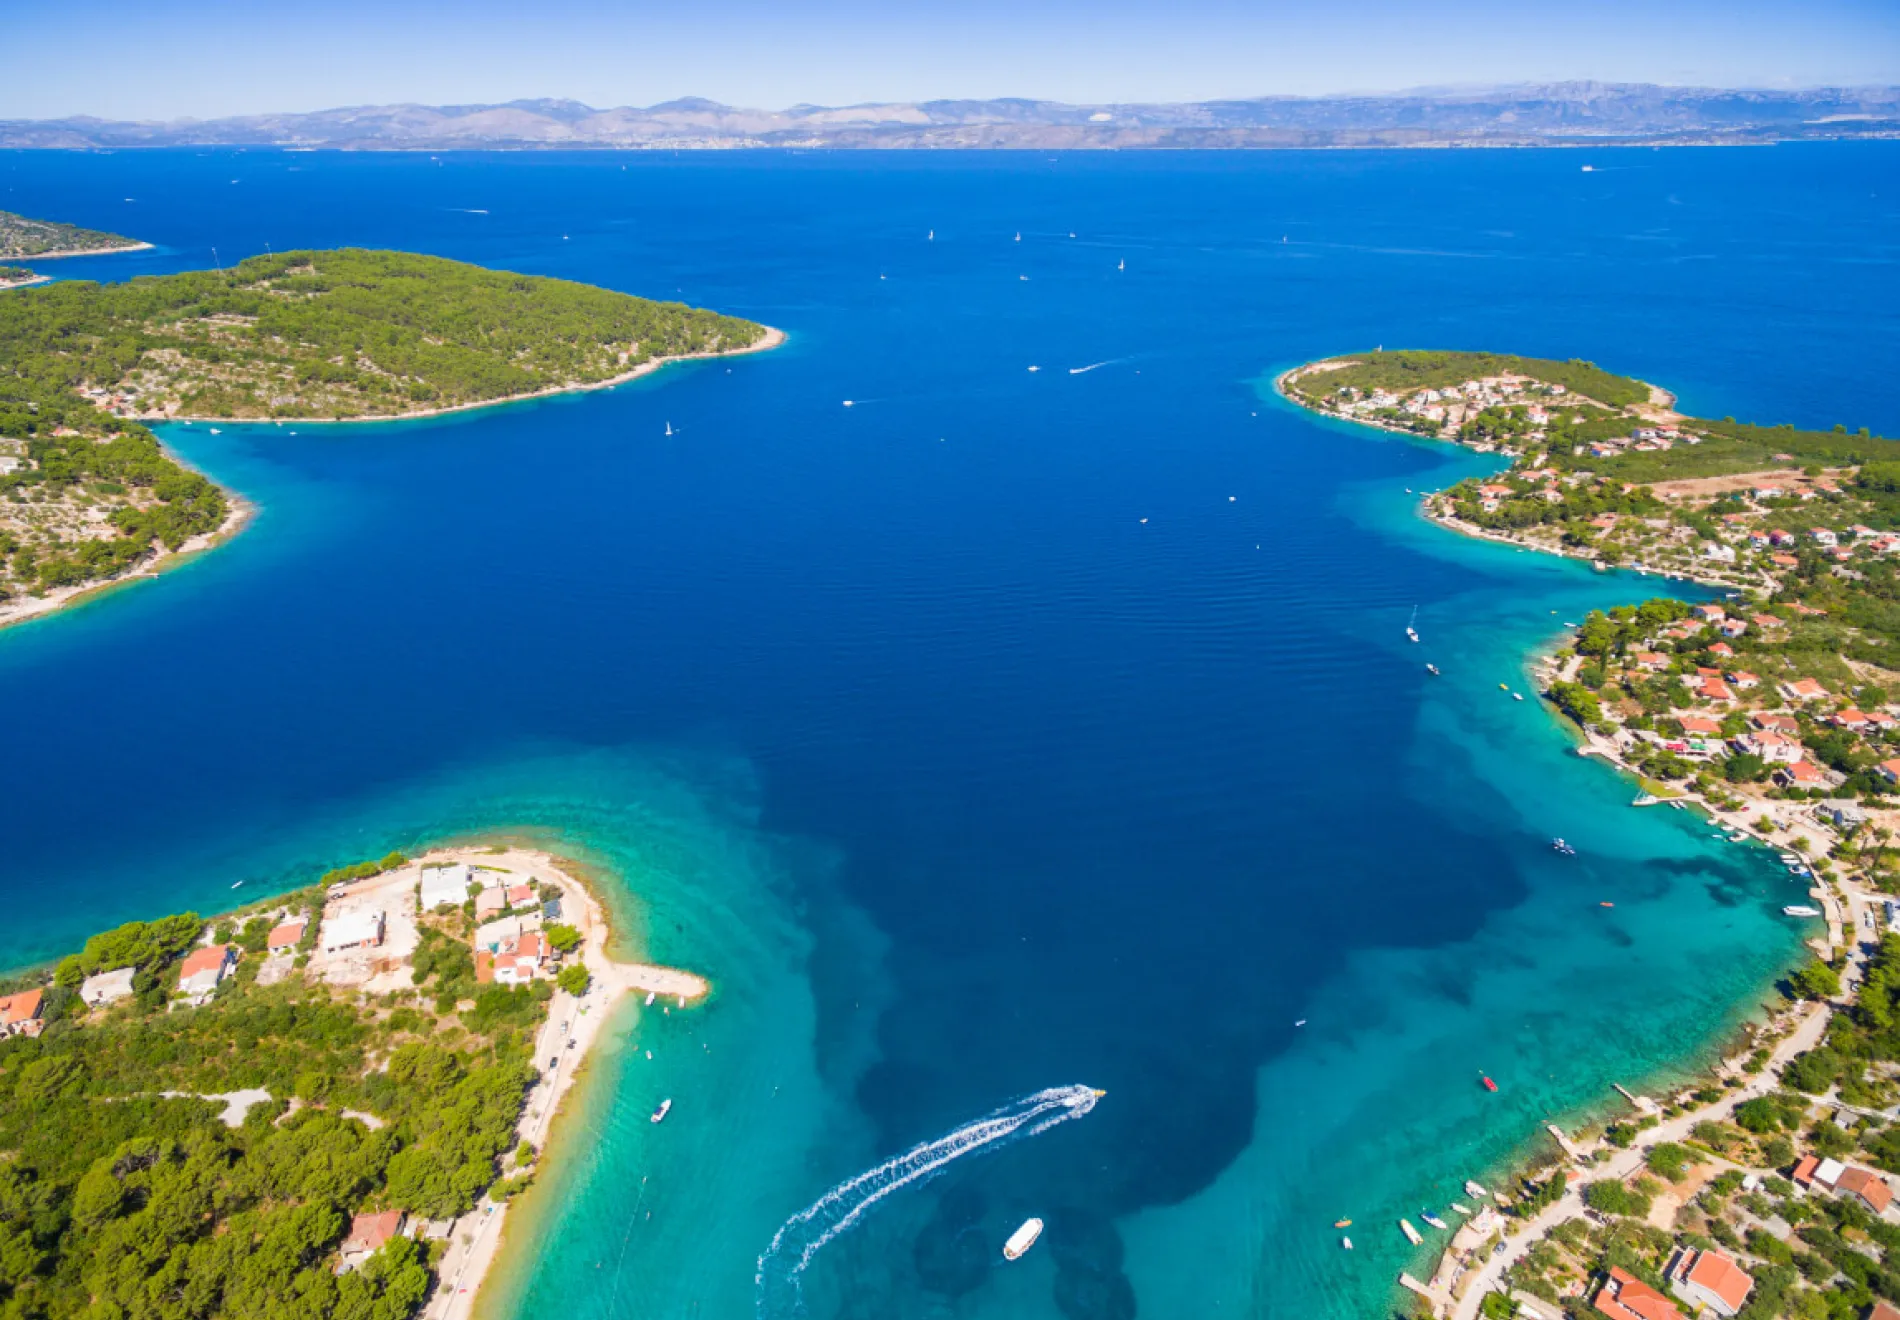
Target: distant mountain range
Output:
{"points": [[1543, 115]]}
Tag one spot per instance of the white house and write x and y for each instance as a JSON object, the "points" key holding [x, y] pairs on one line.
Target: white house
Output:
{"points": [[362, 929], [107, 987], [445, 884], [205, 968]]}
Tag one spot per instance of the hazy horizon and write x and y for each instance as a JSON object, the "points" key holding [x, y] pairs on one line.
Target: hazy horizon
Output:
{"points": [[205, 59]]}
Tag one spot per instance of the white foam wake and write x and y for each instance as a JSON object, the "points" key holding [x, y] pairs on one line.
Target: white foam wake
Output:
{"points": [[800, 1238]]}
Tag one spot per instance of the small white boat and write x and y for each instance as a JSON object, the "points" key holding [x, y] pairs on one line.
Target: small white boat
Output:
{"points": [[1022, 1239], [1432, 670], [1800, 910], [649, 999], [216, 431], [1411, 1234], [1461, 1207], [931, 237], [1646, 800], [1346, 1242], [1517, 696], [1433, 1220], [238, 885], [1122, 264], [1035, 368], [1019, 235], [666, 1107], [669, 428], [1475, 1188]]}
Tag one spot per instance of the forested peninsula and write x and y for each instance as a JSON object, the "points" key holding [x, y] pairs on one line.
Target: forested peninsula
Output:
{"points": [[88, 494], [21, 237]]}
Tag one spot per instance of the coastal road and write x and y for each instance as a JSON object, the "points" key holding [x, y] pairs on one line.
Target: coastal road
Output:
{"points": [[1625, 1162]]}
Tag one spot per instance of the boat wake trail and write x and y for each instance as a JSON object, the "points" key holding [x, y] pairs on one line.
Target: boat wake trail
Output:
{"points": [[1076, 371], [800, 1238]]}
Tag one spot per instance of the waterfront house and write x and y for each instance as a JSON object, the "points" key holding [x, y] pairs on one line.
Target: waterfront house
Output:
{"points": [[362, 929], [520, 896], [1802, 689], [204, 968], [1712, 1279], [493, 935], [20, 1014], [445, 884], [1710, 613], [286, 937], [1784, 561], [367, 1235], [1844, 1180], [1626, 1297], [519, 964], [107, 987], [1845, 814], [1721, 554]]}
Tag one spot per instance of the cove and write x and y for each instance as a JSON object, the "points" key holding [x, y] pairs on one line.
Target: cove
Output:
{"points": [[957, 777]]}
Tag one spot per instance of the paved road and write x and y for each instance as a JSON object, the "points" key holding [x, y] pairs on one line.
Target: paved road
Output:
{"points": [[1625, 1162]]}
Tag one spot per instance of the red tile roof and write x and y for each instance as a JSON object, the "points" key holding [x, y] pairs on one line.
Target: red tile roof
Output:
{"points": [[1867, 1185], [286, 935], [23, 1007], [368, 1232], [1627, 1297], [207, 959], [1721, 1276]]}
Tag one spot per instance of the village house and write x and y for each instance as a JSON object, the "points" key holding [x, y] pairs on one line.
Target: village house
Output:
{"points": [[368, 1233], [285, 937], [20, 1014], [520, 896], [1784, 561], [1653, 661], [1733, 627], [1844, 1180], [1801, 774], [445, 884], [1626, 1297], [1711, 1279], [1766, 621], [1777, 536], [496, 933], [362, 929], [1743, 681], [490, 903], [1890, 770], [1852, 719], [519, 964], [107, 987], [204, 968], [1774, 748], [1802, 689], [1700, 726], [1723, 649], [1822, 536], [1710, 613], [1775, 723]]}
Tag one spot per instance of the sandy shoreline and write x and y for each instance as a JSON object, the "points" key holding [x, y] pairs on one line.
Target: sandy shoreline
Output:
{"points": [[27, 608], [570, 1033], [82, 252], [771, 339], [34, 607]]}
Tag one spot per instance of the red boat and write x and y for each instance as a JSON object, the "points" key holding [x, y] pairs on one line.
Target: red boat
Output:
{"points": [[1489, 1085]]}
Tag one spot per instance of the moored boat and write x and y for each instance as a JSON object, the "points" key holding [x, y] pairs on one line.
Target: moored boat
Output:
{"points": [[1433, 1220], [1489, 1085], [1475, 1188], [1412, 1235], [666, 1107], [1022, 1239], [1800, 910], [1346, 1242]]}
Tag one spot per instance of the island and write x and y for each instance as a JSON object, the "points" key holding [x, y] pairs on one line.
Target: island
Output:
{"points": [[43, 240], [315, 1105], [89, 496], [18, 277], [1770, 702]]}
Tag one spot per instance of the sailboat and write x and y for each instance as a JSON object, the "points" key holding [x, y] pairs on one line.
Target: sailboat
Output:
{"points": [[931, 237], [1019, 235], [1410, 630], [1122, 264], [669, 428]]}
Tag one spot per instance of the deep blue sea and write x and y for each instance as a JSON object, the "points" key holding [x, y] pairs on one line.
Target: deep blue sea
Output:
{"points": [[1005, 730]]}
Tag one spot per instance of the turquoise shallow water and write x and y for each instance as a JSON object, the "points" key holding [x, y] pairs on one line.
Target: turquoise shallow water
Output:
{"points": [[958, 778]]}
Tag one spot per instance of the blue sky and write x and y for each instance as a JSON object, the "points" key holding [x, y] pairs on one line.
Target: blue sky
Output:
{"points": [[170, 58]]}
